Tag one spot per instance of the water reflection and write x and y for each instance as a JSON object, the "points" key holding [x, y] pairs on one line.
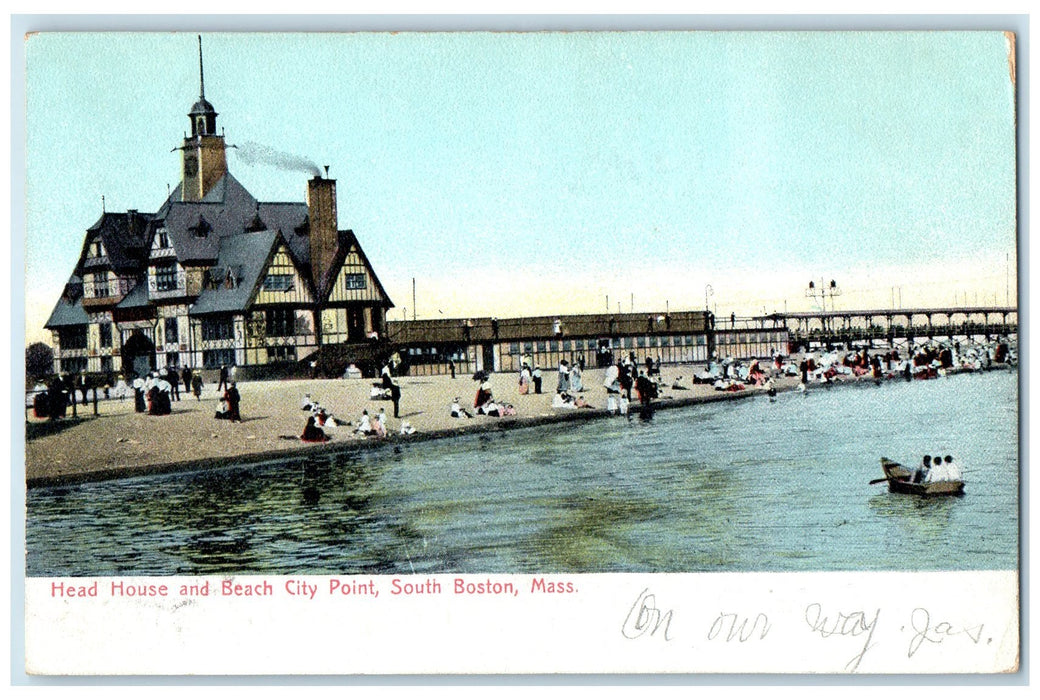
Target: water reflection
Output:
{"points": [[912, 517]]}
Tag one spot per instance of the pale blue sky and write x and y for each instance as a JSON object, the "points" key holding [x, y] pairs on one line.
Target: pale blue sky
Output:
{"points": [[541, 173]]}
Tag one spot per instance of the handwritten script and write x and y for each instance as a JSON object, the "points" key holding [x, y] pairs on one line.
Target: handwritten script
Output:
{"points": [[925, 631], [843, 625], [646, 618]]}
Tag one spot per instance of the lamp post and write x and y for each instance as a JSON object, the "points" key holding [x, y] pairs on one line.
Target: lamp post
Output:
{"points": [[708, 291], [820, 294]]}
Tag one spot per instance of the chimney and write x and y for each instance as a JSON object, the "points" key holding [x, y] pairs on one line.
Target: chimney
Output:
{"points": [[324, 237]]}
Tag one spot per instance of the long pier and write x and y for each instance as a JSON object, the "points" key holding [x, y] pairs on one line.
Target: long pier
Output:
{"points": [[891, 325]]}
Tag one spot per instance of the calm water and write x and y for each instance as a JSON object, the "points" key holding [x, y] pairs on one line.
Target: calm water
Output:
{"points": [[738, 486]]}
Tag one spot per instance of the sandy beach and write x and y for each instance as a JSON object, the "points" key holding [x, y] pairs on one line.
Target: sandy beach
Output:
{"points": [[120, 442]]}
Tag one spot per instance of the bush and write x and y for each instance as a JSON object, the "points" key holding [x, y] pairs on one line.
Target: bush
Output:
{"points": [[39, 361]]}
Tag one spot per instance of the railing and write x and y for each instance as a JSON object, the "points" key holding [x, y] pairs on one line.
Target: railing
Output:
{"points": [[916, 331]]}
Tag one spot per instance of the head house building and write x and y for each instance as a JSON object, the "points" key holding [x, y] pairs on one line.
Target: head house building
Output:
{"points": [[215, 277]]}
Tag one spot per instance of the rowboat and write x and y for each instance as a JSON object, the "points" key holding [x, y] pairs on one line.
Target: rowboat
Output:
{"points": [[901, 480]]}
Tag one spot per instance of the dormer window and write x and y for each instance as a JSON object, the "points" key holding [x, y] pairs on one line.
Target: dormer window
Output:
{"points": [[164, 238], [220, 277], [200, 228], [257, 224], [214, 277], [166, 277]]}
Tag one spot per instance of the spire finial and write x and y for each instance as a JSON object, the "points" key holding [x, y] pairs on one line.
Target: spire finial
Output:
{"points": [[202, 80]]}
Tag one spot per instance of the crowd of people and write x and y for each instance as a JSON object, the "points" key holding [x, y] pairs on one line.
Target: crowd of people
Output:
{"points": [[484, 402], [153, 392], [322, 424], [926, 360], [624, 381], [321, 421], [836, 364]]}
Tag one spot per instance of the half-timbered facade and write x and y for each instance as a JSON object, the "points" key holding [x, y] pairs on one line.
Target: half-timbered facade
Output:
{"points": [[215, 277]]}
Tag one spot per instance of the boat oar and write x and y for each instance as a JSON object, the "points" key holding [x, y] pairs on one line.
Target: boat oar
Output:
{"points": [[878, 481]]}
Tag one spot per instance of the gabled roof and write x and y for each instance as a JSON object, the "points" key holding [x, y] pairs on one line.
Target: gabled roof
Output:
{"points": [[69, 309], [125, 237], [346, 240], [247, 256]]}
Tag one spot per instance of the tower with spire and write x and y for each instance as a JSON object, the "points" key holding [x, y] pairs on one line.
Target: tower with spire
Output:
{"points": [[204, 160], [216, 277]]}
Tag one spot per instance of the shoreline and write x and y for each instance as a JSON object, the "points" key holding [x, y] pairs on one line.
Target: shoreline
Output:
{"points": [[77, 454], [333, 449]]}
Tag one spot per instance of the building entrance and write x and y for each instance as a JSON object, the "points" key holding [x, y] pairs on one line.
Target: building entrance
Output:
{"points": [[138, 354]]}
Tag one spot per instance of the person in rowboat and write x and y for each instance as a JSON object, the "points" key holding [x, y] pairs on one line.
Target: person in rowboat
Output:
{"points": [[921, 473]]}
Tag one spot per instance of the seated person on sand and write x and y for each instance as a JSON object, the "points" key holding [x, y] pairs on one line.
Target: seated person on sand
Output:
{"points": [[457, 411], [563, 400], [320, 415], [306, 402], [223, 411], [490, 408], [378, 427], [677, 385], [312, 433], [728, 385], [365, 424]]}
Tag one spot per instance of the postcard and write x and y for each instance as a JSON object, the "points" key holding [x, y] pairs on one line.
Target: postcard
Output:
{"points": [[505, 352]]}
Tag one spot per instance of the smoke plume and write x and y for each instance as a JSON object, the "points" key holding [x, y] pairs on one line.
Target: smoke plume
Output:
{"points": [[252, 153]]}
